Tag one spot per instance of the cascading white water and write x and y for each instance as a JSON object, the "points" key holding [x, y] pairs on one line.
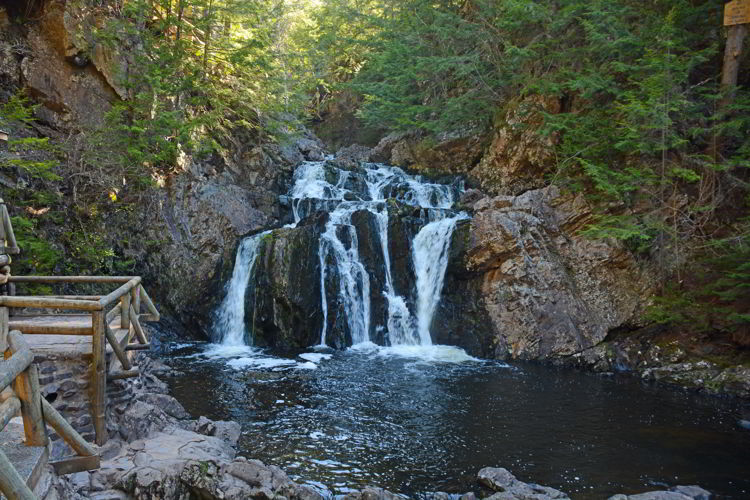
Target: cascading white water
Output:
{"points": [[319, 185], [430, 256], [354, 282], [229, 327]]}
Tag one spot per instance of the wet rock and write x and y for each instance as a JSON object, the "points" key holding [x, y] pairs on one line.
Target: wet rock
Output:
{"points": [[510, 488], [226, 430], [666, 361], [371, 493], [285, 293], [371, 256], [675, 493]]}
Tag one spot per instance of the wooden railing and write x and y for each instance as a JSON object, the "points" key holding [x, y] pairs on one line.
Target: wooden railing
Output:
{"points": [[125, 302], [24, 395]]}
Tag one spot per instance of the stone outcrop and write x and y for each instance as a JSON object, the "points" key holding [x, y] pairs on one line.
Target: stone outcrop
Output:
{"points": [[446, 154], [514, 158], [675, 493], [63, 69], [156, 451], [544, 290], [665, 361], [518, 157]]}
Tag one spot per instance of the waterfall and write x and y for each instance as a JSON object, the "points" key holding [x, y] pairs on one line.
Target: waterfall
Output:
{"points": [[430, 256], [229, 326], [323, 186], [340, 242], [346, 287]]}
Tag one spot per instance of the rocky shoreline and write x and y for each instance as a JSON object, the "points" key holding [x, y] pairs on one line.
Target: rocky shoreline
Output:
{"points": [[157, 452]]}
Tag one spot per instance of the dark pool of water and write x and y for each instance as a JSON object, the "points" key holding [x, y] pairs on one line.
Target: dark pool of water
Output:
{"points": [[410, 426]]}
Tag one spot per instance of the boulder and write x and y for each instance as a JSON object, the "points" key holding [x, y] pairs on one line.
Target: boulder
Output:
{"points": [[674, 493], [371, 493], [226, 430], [509, 488], [351, 157]]}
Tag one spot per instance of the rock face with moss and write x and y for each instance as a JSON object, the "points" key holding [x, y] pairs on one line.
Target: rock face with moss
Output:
{"points": [[284, 295]]}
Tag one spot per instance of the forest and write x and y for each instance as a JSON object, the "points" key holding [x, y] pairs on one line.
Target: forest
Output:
{"points": [[628, 93]]}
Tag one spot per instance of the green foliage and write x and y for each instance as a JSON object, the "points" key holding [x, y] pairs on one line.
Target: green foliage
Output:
{"points": [[718, 297], [197, 70], [32, 155], [39, 256]]}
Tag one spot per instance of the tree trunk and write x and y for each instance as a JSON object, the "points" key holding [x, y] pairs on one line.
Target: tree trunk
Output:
{"points": [[180, 12], [207, 44], [732, 52]]}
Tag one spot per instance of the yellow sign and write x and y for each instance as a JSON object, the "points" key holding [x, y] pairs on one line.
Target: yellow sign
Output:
{"points": [[737, 12]]}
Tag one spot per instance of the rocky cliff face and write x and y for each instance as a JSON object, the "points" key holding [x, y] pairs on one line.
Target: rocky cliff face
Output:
{"points": [[190, 229], [510, 159], [541, 289]]}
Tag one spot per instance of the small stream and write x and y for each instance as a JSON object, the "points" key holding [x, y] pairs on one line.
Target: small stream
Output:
{"points": [[417, 419]]}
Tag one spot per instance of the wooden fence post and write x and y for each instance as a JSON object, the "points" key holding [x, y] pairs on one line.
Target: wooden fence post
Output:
{"points": [[125, 312], [26, 387], [99, 377], [3, 329], [136, 299]]}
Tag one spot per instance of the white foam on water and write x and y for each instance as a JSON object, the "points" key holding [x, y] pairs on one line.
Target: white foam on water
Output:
{"points": [[242, 357], [427, 353], [315, 357], [260, 363]]}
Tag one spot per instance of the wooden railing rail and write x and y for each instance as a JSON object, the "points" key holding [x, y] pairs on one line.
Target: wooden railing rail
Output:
{"points": [[7, 236], [71, 279], [49, 303]]}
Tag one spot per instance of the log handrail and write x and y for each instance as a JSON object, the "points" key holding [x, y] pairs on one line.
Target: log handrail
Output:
{"points": [[14, 365], [48, 303], [127, 301], [71, 279], [122, 290]]}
